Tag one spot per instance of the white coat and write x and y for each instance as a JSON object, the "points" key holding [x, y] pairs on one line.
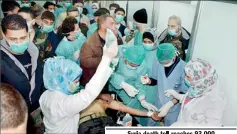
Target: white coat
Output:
{"points": [[207, 110], [61, 111]]}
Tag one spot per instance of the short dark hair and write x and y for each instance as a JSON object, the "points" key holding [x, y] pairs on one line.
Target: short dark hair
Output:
{"points": [[103, 18], [84, 11], [47, 4], [47, 15], [9, 5], [72, 9], [13, 22], [28, 10], [32, 3], [114, 5], [13, 107], [68, 25], [119, 9], [101, 11], [37, 10], [77, 1]]}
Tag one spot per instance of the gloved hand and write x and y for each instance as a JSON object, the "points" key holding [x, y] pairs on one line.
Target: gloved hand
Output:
{"points": [[176, 95], [163, 111], [155, 116], [114, 63], [111, 51], [148, 106], [129, 89], [109, 37], [145, 80], [76, 55]]}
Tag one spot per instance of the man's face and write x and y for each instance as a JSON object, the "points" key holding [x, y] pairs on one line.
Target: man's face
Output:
{"points": [[79, 5], [120, 13], [16, 36], [172, 24], [111, 24], [51, 8], [47, 22], [73, 14], [21, 129]]}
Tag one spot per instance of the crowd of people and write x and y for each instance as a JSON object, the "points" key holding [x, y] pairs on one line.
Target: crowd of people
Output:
{"points": [[72, 66]]}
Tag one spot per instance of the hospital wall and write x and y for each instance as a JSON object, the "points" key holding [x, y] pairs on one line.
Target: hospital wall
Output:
{"points": [[216, 43]]}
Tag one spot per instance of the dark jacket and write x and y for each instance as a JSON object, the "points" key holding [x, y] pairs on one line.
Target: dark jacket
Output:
{"points": [[90, 56], [13, 73], [121, 29], [181, 42]]}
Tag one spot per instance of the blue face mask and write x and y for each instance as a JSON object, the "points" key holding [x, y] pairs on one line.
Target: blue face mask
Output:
{"points": [[148, 47], [80, 10], [78, 19], [68, 4], [172, 32], [119, 18], [48, 29], [19, 48], [191, 91], [25, 5]]}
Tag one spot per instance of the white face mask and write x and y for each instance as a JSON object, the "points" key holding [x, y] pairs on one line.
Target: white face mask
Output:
{"points": [[169, 64]]}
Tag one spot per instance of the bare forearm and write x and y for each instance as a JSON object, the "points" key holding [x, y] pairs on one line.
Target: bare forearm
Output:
{"points": [[121, 107]]}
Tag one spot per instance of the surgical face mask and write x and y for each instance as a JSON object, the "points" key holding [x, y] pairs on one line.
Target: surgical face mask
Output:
{"points": [[19, 48], [25, 5], [187, 83], [52, 11], [169, 64], [148, 47], [94, 10], [130, 67], [192, 92], [80, 10], [48, 29], [78, 19], [119, 18], [68, 4], [111, 12], [172, 32]]}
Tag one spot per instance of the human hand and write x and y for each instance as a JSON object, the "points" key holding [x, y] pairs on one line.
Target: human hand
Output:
{"points": [[155, 116], [145, 80], [163, 111], [176, 95], [112, 50], [148, 106], [129, 89]]}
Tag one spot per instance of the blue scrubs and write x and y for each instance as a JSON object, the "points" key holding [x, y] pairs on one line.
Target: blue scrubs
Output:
{"points": [[174, 81]]}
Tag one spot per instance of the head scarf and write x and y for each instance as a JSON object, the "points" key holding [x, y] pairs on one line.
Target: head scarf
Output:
{"points": [[203, 75], [59, 73], [95, 4]]}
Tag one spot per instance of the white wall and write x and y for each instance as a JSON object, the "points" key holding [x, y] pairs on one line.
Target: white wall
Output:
{"points": [[216, 43], [168, 8]]}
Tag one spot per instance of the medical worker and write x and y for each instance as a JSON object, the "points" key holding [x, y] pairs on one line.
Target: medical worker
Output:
{"points": [[125, 81], [204, 103], [140, 20], [150, 44], [62, 103], [167, 73], [73, 40]]}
